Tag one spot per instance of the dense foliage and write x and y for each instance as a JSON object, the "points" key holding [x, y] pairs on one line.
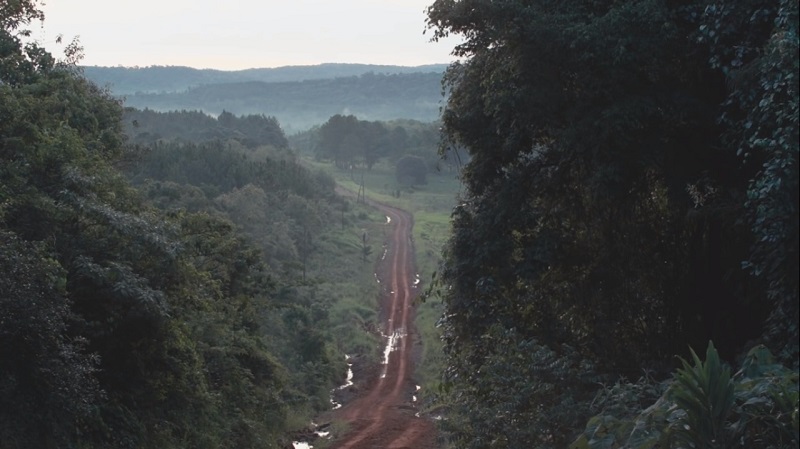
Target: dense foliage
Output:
{"points": [[168, 312], [147, 127], [408, 145], [631, 192], [411, 170], [281, 208], [347, 140], [703, 405]]}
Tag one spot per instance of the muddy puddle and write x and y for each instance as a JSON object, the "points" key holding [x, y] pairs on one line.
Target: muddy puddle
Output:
{"points": [[348, 382]]}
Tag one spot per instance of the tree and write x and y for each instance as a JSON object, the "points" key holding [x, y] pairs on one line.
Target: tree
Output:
{"points": [[411, 170], [755, 45], [375, 139], [604, 207], [226, 119], [307, 223], [340, 140], [48, 388], [348, 140]]}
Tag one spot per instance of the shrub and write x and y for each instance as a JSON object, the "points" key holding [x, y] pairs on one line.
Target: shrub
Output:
{"points": [[704, 406]]}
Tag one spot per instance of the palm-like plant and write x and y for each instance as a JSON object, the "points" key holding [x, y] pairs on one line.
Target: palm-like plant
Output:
{"points": [[703, 394]]}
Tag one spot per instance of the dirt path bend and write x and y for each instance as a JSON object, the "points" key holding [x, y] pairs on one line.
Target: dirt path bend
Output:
{"points": [[385, 416]]}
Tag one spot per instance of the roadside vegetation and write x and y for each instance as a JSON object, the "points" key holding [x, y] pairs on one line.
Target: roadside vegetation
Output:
{"points": [[631, 196], [166, 280], [605, 229], [431, 205]]}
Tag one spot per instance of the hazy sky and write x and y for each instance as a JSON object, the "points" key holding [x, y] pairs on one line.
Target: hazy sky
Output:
{"points": [[232, 35]]}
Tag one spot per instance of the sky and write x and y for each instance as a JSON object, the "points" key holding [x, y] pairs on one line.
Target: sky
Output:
{"points": [[235, 35]]}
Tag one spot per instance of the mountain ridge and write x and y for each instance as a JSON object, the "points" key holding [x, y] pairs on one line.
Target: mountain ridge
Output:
{"points": [[303, 101], [169, 79]]}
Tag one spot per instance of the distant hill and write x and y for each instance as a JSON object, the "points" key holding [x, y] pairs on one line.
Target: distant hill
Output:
{"points": [[164, 79], [312, 99]]}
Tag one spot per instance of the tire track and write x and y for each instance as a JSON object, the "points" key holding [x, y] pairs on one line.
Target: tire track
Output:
{"points": [[384, 418]]}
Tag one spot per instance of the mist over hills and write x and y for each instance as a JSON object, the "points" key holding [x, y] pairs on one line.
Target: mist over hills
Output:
{"points": [[164, 79], [298, 96]]}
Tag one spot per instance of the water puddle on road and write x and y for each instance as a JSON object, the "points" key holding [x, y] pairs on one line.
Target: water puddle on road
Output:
{"points": [[334, 405], [392, 343], [307, 445], [347, 383]]}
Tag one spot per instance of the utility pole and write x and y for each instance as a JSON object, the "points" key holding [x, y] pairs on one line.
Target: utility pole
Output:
{"points": [[362, 193]]}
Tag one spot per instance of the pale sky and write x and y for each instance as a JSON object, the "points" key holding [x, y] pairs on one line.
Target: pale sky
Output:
{"points": [[233, 35]]}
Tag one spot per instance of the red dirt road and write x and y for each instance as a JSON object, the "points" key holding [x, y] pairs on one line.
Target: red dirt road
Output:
{"points": [[384, 416]]}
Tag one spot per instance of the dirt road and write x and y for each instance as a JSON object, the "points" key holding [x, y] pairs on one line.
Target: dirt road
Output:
{"points": [[384, 416]]}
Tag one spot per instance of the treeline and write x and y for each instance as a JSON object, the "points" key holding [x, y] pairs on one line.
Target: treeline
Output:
{"points": [[299, 105], [163, 79], [347, 141], [632, 193], [344, 140], [148, 126], [160, 306]]}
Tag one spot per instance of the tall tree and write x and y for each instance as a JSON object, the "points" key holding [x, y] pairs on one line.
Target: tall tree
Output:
{"points": [[348, 140], [339, 140], [48, 389]]}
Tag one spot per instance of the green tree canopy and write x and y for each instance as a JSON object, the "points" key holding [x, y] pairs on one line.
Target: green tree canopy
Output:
{"points": [[121, 325], [606, 207], [347, 140], [411, 170]]}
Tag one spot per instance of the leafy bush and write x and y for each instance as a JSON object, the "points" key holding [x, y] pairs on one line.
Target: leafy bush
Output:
{"points": [[521, 394], [704, 406]]}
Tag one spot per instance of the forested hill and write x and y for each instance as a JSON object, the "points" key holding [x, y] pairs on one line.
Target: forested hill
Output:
{"points": [[161, 79], [299, 105], [300, 97], [187, 291]]}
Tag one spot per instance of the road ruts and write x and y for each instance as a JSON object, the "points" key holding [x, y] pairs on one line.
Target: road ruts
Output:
{"points": [[384, 418]]}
